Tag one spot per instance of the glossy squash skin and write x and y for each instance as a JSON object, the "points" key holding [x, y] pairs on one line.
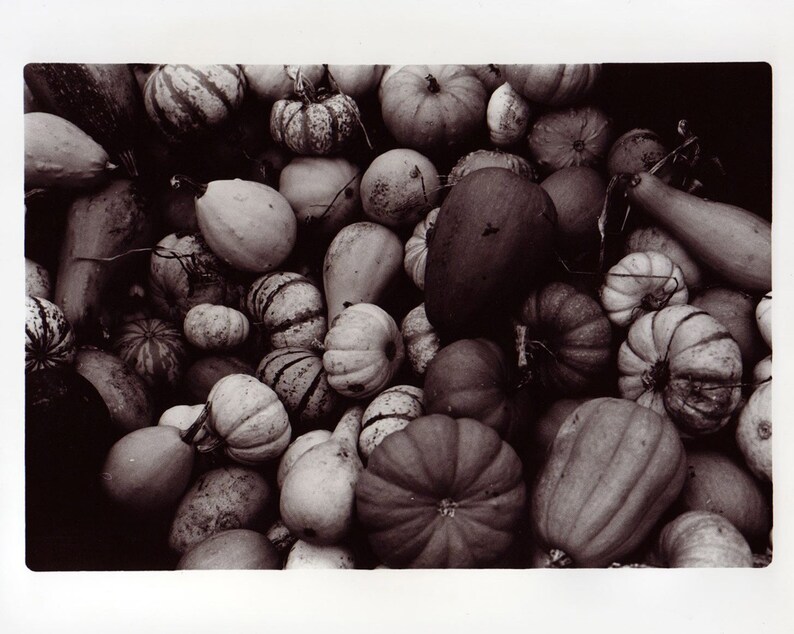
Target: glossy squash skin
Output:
{"points": [[612, 470], [49, 338], [441, 493]]}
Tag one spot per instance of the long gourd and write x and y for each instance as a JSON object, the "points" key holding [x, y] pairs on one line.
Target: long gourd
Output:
{"points": [[734, 242]]}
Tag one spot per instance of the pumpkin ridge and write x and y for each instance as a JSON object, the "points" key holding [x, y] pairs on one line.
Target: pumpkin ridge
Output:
{"points": [[280, 372], [716, 336], [298, 318], [309, 393]]}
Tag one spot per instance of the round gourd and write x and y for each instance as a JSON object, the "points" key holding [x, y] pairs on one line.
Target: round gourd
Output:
{"points": [[613, 469], [399, 187], [754, 432], [682, 363], [247, 419], [37, 280], [637, 150], [493, 237], [234, 549], [563, 340], [473, 378], [552, 84], [763, 317], [507, 116], [578, 196], [430, 108], [654, 238], [639, 284], [356, 80], [271, 82], [389, 411], [185, 100], [457, 510], [363, 351], [154, 348], [215, 328], [49, 338], [702, 539], [298, 377], [420, 339], [415, 260], [491, 158], [575, 136], [490, 75]]}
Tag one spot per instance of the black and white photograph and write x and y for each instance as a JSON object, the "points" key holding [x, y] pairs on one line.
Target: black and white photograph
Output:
{"points": [[353, 329]]}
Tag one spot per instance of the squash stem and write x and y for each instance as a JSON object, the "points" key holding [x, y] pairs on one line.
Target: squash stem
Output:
{"points": [[190, 433], [432, 84], [198, 189]]}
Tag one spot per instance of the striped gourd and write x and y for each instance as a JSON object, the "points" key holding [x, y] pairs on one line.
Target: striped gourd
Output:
{"points": [[388, 412], [288, 308], [49, 338], [183, 100], [155, 348], [298, 377]]}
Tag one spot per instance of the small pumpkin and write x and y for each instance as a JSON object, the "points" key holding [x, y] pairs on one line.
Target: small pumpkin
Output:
{"points": [[563, 339], [247, 419], [185, 100], [490, 75], [155, 348], [298, 377], [479, 159], [428, 108], [507, 116], [441, 493], [356, 80], [639, 284], [363, 351], [49, 338], [271, 82], [415, 260], [702, 539], [421, 341], [763, 317], [681, 362], [215, 327], [754, 432], [288, 308], [552, 84], [655, 238], [613, 469], [637, 150], [389, 411], [575, 136]]}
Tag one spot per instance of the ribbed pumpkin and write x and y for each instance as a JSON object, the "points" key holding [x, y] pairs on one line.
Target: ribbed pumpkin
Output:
{"points": [[389, 411], [494, 235], [288, 308], [298, 377], [613, 469], [681, 362], [415, 260], [563, 339], [363, 350], [473, 378], [441, 493], [49, 338], [639, 284], [702, 539], [552, 84], [215, 327], [479, 159], [421, 340], [247, 419], [490, 75], [575, 136], [155, 348], [430, 108], [184, 100]]}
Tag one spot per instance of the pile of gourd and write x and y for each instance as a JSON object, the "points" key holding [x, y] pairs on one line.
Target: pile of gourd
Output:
{"points": [[383, 317]]}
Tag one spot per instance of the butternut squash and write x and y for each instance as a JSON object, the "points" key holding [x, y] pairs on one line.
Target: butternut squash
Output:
{"points": [[734, 242]]}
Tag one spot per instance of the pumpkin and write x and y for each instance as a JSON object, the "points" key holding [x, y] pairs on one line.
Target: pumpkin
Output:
{"points": [[155, 348], [356, 80], [399, 187], [271, 82], [318, 123], [430, 108], [490, 75], [184, 272], [49, 338], [654, 238], [322, 191], [233, 549], [363, 351], [575, 136], [473, 378], [754, 432], [37, 280], [563, 339], [702, 539], [613, 469], [288, 308], [185, 100], [491, 158], [716, 483], [420, 339], [493, 236], [763, 317], [415, 260], [246, 418], [441, 493], [552, 84], [298, 377], [507, 116], [637, 150], [639, 284], [215, 328], [578, 196], [389, 411]]}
